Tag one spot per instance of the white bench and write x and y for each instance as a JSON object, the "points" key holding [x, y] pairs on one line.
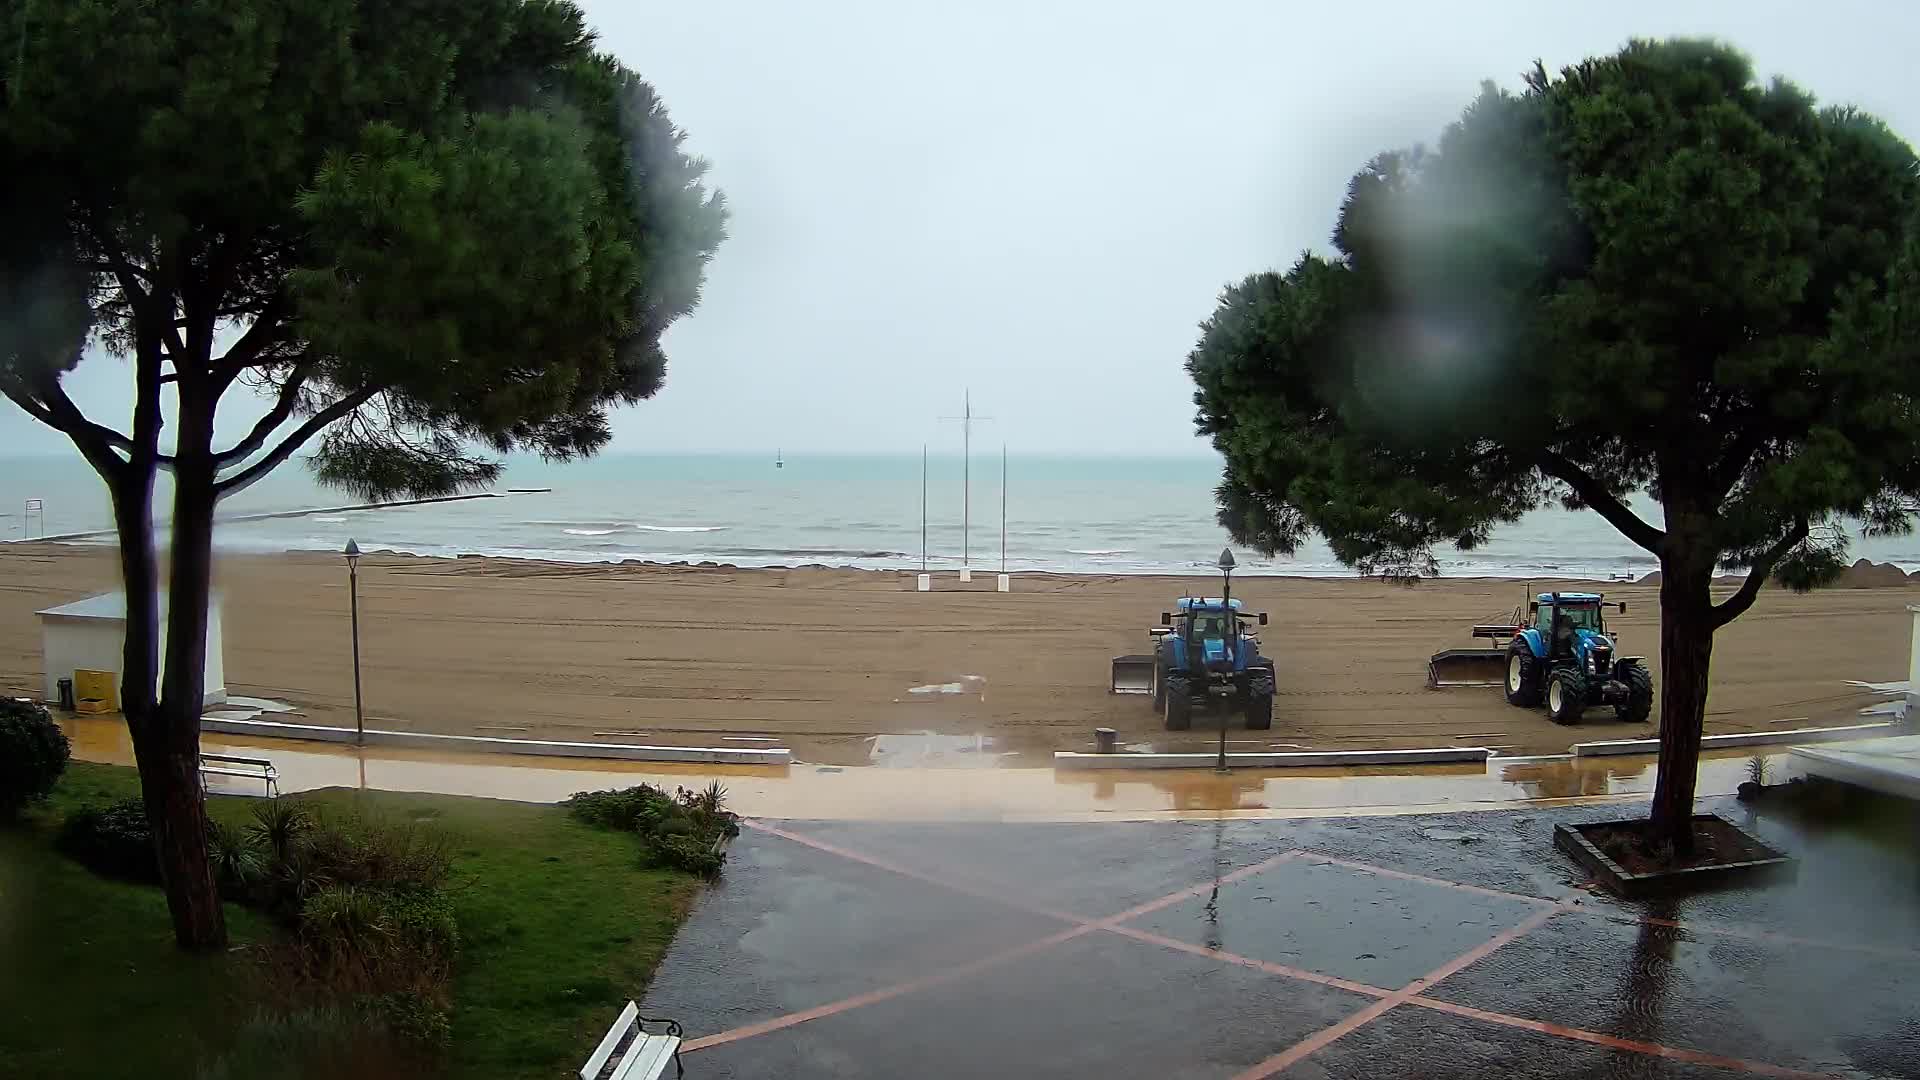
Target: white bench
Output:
{"points": [[247, 768], [629, 1052]]}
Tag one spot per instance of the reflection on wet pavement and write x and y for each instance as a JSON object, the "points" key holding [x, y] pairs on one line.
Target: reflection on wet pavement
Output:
{"points": [[914, 792]]}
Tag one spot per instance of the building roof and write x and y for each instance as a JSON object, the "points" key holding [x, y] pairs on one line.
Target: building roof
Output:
{"points": [[111, 606]]}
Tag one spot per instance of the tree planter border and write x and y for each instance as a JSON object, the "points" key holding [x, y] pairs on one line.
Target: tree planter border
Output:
{"points": [[1622, 882]]}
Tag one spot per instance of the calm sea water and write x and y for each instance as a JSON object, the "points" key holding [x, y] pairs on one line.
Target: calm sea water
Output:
{"points": [[1098, 515]]}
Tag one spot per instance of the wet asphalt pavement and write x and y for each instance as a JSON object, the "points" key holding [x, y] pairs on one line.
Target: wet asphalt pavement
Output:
{"points": [[1294, 948]]}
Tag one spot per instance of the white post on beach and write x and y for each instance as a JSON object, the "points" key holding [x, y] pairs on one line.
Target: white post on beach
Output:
{"points": [[1003, 584], [966, 419]]}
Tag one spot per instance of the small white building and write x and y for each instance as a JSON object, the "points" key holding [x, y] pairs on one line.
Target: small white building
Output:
{"points": [[91, 634]]}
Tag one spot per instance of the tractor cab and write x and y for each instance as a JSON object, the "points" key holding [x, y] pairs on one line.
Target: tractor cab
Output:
{"points": [[1569, 622], [1208, 631]]}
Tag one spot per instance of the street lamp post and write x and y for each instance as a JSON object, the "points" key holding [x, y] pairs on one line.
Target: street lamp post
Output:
{"points": [[352, 553], [1233, 642]]}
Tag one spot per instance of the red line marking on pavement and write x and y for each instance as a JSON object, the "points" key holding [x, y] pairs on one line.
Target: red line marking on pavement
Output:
{"points": [[1319, 1040], [1613, 1042], [904, 871], [1728, 930], [1368, 868], [1269, 967], [885, 993], [1194, 890]]}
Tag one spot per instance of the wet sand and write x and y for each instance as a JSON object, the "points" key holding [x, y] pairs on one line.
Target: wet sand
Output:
{"points": [[825, 661]]}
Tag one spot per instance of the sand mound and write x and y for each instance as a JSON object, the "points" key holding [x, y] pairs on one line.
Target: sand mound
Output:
{"points": [[1650, 579], [1867, 574]]}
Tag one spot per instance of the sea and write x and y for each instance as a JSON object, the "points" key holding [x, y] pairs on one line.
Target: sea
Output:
{"points": [[1091, 515]]}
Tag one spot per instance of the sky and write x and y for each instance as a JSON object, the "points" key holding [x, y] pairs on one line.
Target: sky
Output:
{"points": [[1041, 202]]}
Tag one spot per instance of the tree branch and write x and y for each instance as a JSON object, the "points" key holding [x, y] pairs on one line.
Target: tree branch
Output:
{"points": [[1600, 499], [263, 333], [59, 413], [1736, 605], [246, 477], [289, 400]]}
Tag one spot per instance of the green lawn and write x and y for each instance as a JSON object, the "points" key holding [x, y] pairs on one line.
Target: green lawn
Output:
{"points": [[560, 926]]}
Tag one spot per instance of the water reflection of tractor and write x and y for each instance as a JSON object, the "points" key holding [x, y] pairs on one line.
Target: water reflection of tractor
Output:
{"points": [[1558, 652], [1205, 652]]}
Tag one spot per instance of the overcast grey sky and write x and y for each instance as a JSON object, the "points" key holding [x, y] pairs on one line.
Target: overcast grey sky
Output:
{"points": [[1042, 201]]}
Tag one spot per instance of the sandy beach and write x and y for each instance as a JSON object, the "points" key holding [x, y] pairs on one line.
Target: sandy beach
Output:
{"points": [[825, 661]]}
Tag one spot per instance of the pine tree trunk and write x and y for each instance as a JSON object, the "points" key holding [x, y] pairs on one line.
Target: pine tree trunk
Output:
{"points": [[175, 804], [1686, 653]]}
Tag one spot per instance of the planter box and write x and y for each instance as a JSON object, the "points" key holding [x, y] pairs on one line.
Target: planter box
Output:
{"points": [[1617, 879]]}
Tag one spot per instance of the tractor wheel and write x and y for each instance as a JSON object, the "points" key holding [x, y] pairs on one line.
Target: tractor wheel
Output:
{"points": [[1639, 703], [1260, 700], [1179, 707], [1566, 696], [1523, 676]]}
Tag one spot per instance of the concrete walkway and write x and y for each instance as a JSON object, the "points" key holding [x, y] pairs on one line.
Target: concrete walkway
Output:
{"points": [[1015, 794], [1418, 946]]}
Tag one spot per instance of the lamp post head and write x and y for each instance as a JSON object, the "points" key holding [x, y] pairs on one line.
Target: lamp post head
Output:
{"points": [[1226, 560], [352, 551]]}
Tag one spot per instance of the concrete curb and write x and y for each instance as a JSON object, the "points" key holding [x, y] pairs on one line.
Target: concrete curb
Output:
{"points": [[703, 755], [1069, 759], [1744, 738]]}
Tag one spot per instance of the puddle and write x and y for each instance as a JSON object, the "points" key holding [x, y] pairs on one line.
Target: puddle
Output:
{"points": [[926, 749], [967, 684]]}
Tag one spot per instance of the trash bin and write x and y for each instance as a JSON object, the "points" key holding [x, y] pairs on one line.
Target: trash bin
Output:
{"points": [[1105, 739], [66, 694]]}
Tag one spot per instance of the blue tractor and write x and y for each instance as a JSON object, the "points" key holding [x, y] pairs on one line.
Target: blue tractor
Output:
{"points": [[1204, 652], [1561, 653]]}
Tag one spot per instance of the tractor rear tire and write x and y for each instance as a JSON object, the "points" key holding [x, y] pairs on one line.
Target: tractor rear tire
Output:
{"points": [[1178, 707], [1566, 696], [1639, 703], [1523, 676], [1260, 700]]}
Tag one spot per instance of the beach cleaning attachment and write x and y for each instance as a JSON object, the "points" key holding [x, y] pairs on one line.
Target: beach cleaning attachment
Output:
{"points": [[1473, 667]]}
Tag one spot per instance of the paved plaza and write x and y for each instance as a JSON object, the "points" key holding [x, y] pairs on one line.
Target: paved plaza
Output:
{"points": [[1443, 945]]}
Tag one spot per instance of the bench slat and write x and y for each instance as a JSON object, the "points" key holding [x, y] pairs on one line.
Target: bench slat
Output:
{"points": [[629, 1016], [647, 1058]]}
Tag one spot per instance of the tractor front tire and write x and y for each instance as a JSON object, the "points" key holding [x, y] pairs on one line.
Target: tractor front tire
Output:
{"points": [[1260, 700], [1523, 676], [1639, 703], [1566, 696], [1178, 706]]}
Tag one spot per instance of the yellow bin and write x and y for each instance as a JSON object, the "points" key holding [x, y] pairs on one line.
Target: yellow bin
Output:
{"points": [[95, 686]]}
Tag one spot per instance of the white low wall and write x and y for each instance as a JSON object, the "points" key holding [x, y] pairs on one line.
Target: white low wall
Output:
{"points": [[1744, 738], [704, 755], [1066, 759]]}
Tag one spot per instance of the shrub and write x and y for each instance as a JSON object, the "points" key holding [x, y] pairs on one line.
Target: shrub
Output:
{"points": [[278, 824], [412, 1015], [321, 853], [369, 940], [114, 841], [238, 864], [680, 831], [33, 754], [689, 851], [635, 809]]}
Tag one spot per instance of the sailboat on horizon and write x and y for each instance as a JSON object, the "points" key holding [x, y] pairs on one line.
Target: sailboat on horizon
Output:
{"points": [[778, 461]]}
